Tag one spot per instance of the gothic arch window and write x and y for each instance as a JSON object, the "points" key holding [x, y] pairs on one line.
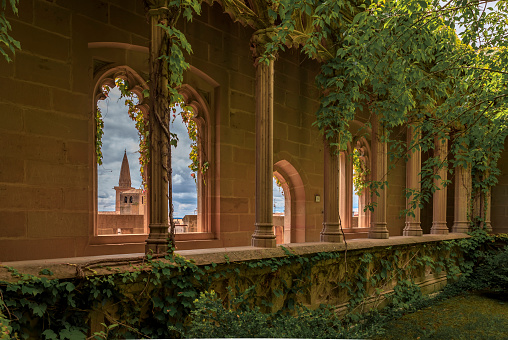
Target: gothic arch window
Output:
{"points": [[119, 123], [354, 172], [201, 118]]}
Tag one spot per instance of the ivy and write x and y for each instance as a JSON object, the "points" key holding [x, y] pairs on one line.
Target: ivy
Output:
{"points": [[403, 63], [6, 40], [99, 132], [158, 298], [360, 173], [141, 124]]}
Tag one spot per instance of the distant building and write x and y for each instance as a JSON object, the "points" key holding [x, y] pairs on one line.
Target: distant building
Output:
{"points": [[130, 215]]}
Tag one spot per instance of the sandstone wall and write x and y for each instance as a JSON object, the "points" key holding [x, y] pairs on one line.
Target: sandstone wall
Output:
{"points": [[500, 196]]}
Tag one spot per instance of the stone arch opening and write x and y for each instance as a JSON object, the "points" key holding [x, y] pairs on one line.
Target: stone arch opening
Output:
{"points": [[355, 157], [201, 117], [294, 201], [133, 220]]}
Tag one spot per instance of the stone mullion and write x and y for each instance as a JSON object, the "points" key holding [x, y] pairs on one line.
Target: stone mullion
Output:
{"points": [[413, 181], [331, 228], [263, 235], [462, 199], [378, 222], [439, 198], [160, 158]]}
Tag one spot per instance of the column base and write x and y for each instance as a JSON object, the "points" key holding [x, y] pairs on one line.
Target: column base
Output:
{"points": [[331, 233], [263, 236], [460, 227], [378, 230], [157, 241], [439, 228], [488, 226], [263, 242], [412, 229], [335, 238]]}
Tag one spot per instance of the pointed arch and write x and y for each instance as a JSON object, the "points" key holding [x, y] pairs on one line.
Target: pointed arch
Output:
{"points": [[201, 116], [361, 145], [294, 200], [136, 85]]}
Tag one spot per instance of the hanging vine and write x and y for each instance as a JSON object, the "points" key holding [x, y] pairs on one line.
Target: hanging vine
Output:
{"points": [[99, 132], [136, 115], [139, 119], [360, 173], [168, 65], [196, 165]]}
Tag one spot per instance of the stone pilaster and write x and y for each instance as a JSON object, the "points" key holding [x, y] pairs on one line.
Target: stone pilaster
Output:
{"points": [[488, 202], [439, 198], [462, 199], [378, 223], [158, 180], [331, 228], [263, 235], [413, 179]]}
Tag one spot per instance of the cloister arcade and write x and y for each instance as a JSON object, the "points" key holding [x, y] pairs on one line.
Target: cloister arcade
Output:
{"points": [[254, 120]]}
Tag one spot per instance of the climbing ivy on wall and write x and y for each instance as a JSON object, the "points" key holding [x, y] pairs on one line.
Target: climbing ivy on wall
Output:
{"points": [[153, 297]]}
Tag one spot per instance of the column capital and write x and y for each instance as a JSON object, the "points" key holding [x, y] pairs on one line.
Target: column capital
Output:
{"points": [[258, 43]]}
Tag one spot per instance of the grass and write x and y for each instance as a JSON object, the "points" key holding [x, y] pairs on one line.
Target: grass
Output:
{"points": [[479, 315]]}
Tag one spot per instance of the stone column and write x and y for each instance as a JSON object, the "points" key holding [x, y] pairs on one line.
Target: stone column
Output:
{"points": [[345, 189], [263, 235], [462, 199], [157, 241], [379, 169], [482, 209], [413, 179], [331, 228], [439, 198], [488, 202]]}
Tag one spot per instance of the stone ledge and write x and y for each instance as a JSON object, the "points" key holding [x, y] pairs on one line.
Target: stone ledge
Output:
{"points": [[66, 267]]}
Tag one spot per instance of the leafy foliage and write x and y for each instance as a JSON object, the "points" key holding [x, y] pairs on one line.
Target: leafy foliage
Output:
{"points": [[168, 298], [360, 173], [211, 319], [402, 62], [6, 40]]}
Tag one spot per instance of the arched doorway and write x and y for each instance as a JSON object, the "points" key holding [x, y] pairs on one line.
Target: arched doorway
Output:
{"points": [[294, 202]]}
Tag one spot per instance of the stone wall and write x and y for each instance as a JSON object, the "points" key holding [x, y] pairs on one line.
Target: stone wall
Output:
{"points": [[310, 274], [500, 196]]}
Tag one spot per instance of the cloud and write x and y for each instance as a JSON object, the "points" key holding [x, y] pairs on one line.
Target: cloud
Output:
{"points": [[177, 179]]}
